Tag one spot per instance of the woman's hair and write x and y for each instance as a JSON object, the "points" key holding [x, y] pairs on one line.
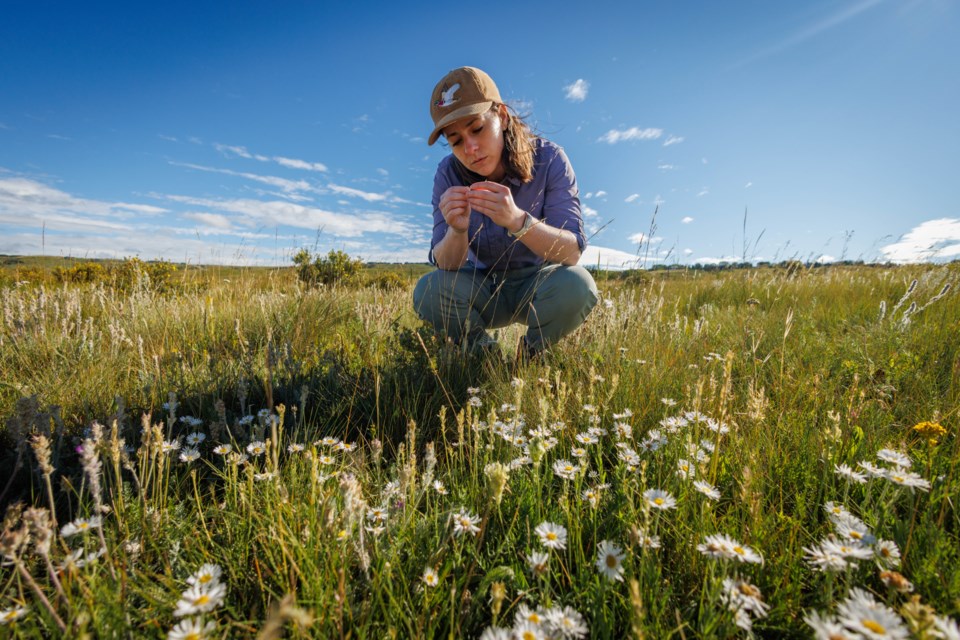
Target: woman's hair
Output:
{"points": [[518, 146]]}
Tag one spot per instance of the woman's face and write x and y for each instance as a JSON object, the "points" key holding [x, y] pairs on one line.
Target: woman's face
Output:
{"points": [[477, 142]]}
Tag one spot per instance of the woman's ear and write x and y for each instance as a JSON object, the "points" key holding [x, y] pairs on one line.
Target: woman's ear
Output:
{"points": [[504, 114]]}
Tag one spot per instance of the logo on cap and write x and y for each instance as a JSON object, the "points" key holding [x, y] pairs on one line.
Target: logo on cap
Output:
{"points": [[446, 96]]}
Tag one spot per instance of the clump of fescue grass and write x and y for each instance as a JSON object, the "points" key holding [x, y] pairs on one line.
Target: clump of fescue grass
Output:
{"points": [[665, 471]]}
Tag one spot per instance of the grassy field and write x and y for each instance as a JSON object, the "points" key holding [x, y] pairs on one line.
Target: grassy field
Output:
{"points": [[713, 454]]}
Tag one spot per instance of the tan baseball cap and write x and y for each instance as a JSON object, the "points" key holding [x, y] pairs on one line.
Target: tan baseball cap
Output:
{"points": [[463, 92]]}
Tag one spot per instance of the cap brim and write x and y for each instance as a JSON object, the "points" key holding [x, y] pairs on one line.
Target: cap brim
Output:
{"points": [[453, 116]]}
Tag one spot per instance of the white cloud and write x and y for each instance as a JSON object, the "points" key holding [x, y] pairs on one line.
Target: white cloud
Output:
{"points": [[686, 220], [703, 192], [641, 238], [671, 140], [931, 240], [287, 186], [666, 167], [748, 185], [577, 92], [688, 252], [293, 163], [282, 213], [588, 212], [357, 193], [215, 220], [226, 150], [631, 197], [23, 201], [600, 194], [290, 163], [606, 258], [633, 133]]}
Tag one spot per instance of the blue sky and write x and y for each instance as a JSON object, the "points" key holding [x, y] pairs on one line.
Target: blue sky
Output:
{"points": [[238, 132]]}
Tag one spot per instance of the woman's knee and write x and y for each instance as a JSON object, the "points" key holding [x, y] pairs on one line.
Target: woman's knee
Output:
{"points": [[576, 287]]}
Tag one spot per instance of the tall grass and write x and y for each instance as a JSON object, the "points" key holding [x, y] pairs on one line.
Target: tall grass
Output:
{"points": [[382, 483]]}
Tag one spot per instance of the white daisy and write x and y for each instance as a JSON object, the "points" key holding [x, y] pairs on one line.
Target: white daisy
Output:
{"points": [[566, 469], [567, 622], [223, 449], [11, 614], [908, 479], [610, 560], [197, 599], [191, 629], [430, 577], [256, 448], [706, 489], [888, 553], [658, 499], [526, 614], [464, 522], [80, 525], [190, 454], [861, 614], [845, 472], [552, 536], [827, 628], [206, 576], [897, 458], [538, 562]]}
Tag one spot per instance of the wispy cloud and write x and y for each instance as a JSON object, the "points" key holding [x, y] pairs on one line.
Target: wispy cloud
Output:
{"points": [[293, 163], [931, 240], [357, 193], [288, 214], [285, 185], [577, 91], [686, 220], [632, 197], [22, 200], [672, 140], [811, 31], [589, 213], [290, 163], [633, 133]]}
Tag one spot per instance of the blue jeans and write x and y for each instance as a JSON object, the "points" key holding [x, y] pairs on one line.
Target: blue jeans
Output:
{"points": [[552, 300]]}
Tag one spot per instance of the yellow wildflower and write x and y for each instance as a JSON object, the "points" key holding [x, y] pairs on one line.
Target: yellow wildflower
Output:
{"points": [[929, 430]]}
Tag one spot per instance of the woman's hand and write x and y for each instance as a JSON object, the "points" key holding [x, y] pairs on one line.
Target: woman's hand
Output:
{"points": [[455, 207], [495, 201]]}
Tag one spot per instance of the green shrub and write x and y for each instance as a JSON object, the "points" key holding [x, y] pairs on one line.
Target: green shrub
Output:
{"points": [[336, 268]]}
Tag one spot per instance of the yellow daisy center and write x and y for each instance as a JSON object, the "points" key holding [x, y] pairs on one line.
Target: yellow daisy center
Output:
{"points": [[612, 562], [201, 600], [873, 625], [739, 550], [658, 501], [551, 536]]}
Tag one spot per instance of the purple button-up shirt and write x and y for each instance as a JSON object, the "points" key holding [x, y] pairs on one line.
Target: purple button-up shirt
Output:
{"points": [[552, 196]]}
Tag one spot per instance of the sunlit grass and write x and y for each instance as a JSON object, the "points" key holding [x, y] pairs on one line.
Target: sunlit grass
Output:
{"points": [[710, 455]]}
